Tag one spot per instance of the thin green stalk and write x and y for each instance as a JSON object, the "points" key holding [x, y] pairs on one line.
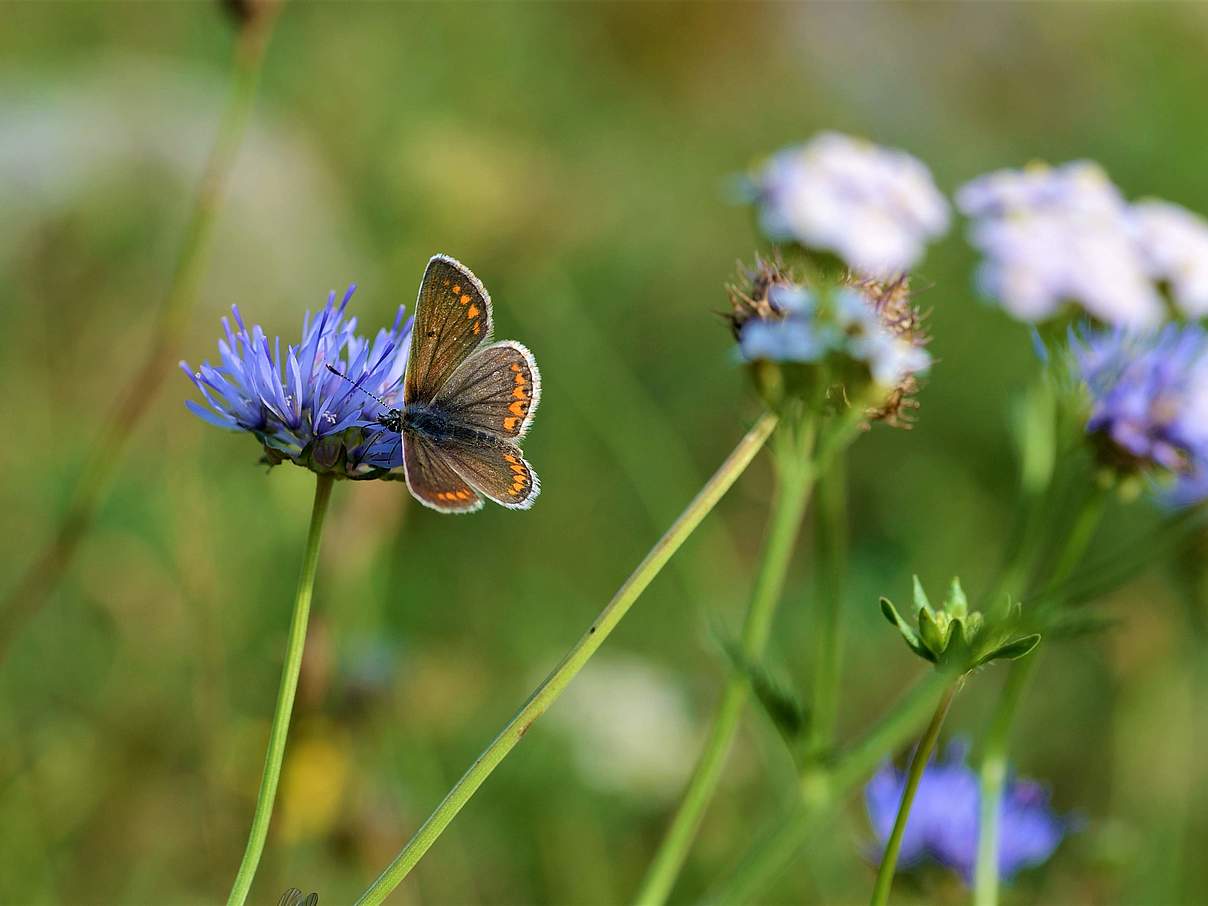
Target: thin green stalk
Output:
{"points": [[285, 698], [993, 770], [1080, 535], [826, 787], [992, 777], [794, 481], [105, 455], [831, 543], [553, 686], [889, 862]]}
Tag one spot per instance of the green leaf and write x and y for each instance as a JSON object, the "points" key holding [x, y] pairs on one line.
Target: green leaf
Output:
{"points": [[779, 702], [958, 604], [920, 597], [934, 637], [907, 631], [1012, 651]]}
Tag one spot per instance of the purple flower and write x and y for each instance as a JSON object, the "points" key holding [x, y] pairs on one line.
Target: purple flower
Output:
{"points": [[294, 405], [876, 208], [943, 822], [1149, 400]]}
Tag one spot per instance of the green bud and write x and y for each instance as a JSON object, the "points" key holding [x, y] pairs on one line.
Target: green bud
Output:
{"points": [[954, 638]]}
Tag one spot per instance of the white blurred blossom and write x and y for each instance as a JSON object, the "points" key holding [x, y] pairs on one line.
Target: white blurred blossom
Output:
{"points": [[874, 207], [628, 727], [1058, 235], [1174, 247]]}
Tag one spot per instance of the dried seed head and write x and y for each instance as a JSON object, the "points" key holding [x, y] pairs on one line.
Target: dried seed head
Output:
{"points": [[893, 303], [753, 297]]}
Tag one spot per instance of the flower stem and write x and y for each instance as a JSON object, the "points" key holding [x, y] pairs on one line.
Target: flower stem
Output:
{"points": [[992, 777], [285, 698], [794, 481], [831, 542], [574, 660], [824, 787], [889, 862], [1080, 536], [992, 773], [104, 455]]}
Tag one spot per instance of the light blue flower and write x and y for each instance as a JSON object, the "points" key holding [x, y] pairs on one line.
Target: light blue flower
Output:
{"points": [[794, 339]]}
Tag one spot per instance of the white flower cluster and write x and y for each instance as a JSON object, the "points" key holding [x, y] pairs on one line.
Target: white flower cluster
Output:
{"points": [[1174, 246], [876, 208], [1058, 235]]}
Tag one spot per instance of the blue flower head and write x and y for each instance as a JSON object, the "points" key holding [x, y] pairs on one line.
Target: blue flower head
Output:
{"points": [[943, 822], [1149, 402], [295, 406], [862, 338]]}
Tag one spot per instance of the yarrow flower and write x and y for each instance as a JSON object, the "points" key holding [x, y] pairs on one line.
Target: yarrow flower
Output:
{"points": [[1149, 401], [1058, 235], [943, 821], [295, 406], [861, 332], [874, 207]]}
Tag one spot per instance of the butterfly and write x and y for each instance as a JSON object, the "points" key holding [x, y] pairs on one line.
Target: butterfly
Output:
{"points": [[467, 402]]}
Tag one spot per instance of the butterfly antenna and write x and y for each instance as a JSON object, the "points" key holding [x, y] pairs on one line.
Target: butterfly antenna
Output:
{"points": [[357, 385]]}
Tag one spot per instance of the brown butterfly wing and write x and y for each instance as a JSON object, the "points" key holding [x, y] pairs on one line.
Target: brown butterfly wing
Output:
{"points": [[432, 477], [452, 319], [497, 470], [495, 390]]}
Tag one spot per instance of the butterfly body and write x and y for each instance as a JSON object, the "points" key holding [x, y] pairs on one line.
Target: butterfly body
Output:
{"points": [[466, 401], [436, 425]]}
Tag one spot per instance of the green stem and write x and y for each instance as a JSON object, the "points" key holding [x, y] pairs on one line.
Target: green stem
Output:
{"points": [[549, 690], [993, 770], [993, 774], [795, 479], [1080, 535], [827, 786], [889, 862], [831, 542], [134, 400], [285, 698]]}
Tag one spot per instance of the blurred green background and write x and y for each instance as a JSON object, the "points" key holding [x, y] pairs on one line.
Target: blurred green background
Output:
{"points": [[577, 157]]}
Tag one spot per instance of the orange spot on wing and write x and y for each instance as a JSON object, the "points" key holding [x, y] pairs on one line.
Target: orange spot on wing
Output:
{"points": [[456, 288], [515, 367], [517, 408], [465, 300], [477, 328], [508, 457], [509, 424], [472, 311], [519, 470], [520, 393]]}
